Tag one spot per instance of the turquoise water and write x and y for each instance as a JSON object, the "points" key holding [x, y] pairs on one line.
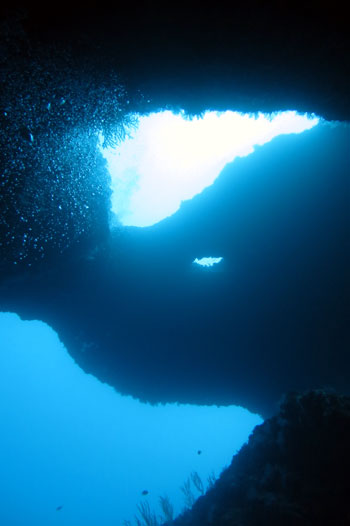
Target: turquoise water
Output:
{"points": [[69, 440]]}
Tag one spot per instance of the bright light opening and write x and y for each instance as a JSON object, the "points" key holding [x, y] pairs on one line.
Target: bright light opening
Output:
{"points": [[207, 262], [170, 158]]}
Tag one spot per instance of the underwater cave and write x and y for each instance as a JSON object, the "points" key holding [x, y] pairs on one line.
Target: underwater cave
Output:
{"points": [[174, 259]]}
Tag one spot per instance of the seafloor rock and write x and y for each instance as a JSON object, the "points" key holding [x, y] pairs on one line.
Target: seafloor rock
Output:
{"points": [[294, 470]]}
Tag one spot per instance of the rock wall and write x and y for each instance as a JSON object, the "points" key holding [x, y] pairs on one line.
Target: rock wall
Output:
{"points": [[128, 304]]}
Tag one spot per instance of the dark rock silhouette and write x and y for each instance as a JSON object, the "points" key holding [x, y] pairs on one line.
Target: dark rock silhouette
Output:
{"points": [[294, 470], [272, 317], [128, 304]]}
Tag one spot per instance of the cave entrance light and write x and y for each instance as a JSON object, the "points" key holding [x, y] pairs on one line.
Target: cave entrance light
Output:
{"points": [[170, 158]]}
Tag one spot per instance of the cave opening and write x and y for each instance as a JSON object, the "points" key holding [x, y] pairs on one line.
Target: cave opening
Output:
{"points": [[170, 157], [261, 270], [156, 197], [20, 388]]}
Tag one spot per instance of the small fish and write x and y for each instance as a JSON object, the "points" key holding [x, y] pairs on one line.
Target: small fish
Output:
{"points": [[199, 452], [59, 508], [145, 492]]}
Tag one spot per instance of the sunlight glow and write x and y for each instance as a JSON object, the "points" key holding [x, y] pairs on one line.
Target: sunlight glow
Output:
{"points": [[207, 262], [170, 158]]}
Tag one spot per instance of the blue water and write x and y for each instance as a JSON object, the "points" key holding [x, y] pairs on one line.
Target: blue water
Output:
{"points": [[68, 440]]}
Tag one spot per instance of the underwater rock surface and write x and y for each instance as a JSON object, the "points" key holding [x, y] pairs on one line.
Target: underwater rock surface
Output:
{"points": [[271, 317], [128, 304], [294, 470]]}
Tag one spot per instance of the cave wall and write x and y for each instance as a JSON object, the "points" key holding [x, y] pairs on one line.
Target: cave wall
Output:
{"points": [[251, 57], [279, 476], [128, 304]]}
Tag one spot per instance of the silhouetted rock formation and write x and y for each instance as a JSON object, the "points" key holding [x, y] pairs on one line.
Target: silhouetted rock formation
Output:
{"points": [[128, 304], [294, 471], [271, 317], [251, 57]]}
